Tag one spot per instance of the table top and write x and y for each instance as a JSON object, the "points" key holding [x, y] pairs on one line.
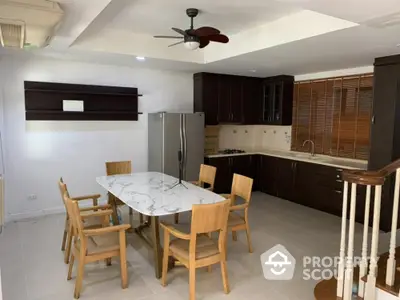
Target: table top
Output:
{"points": [[153, 194]]}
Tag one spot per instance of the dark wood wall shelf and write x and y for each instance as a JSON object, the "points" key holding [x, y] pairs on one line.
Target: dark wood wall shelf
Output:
{"points": [[44, 101]]}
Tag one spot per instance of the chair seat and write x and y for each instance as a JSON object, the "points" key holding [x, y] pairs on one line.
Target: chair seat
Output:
{"points": [[101, 243], [205, 247], [235, 219]]}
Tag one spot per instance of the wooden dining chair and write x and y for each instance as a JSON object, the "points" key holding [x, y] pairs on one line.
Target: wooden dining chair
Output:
{"points": [[90, 221], [197, 249], [206, 176], [241, 187], [92, 245], [116, 168]]}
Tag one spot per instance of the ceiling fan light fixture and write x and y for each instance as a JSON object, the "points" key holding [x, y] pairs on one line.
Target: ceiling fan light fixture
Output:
{"points": [[192, 45]]}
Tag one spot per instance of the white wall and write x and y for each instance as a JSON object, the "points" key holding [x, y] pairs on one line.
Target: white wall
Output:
{"points": [[38, 153]]}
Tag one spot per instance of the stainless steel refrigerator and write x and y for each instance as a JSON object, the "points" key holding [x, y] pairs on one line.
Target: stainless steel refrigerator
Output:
{"points": [[171, 133]]}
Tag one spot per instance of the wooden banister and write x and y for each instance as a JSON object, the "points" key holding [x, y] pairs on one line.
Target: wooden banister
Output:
{"points": [[370, 177]]}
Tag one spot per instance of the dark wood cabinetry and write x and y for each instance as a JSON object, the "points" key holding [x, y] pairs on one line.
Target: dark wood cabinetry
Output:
{"points": [[229, 99], [267, 174], [277, 100], [244, 100], [206, 96], [224, 176], [45, 101], [227, 166], [252, 89], [385, 127], [313, 185]]}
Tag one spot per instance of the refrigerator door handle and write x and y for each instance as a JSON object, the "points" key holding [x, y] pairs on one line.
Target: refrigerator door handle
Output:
{"points": [[185, 147]]}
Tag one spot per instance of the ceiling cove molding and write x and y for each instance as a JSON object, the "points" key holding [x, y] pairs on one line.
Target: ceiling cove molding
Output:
{"points": [[335, 73], [294, 27]]}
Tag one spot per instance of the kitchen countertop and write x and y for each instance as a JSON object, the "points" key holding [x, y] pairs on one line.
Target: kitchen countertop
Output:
{"points": [[326, 160]]}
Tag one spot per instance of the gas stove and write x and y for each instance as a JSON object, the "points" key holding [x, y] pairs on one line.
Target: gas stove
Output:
{"points": [[231, 151]]}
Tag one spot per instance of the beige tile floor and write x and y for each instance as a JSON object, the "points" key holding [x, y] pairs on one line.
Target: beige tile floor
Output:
{"points": [[33, 269]]}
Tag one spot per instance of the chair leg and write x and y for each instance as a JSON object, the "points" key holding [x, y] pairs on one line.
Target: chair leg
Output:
{"points": [[64, 240], [79, 277], [176, 218], [224, 273], [249, 238], [67, 252], [165, 259], [192, 282], [71, 265], [122, 258], [130, 211], [234, 236]]}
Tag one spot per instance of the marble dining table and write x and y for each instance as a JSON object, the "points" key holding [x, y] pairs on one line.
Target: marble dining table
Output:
{"points": [[155, 195]]}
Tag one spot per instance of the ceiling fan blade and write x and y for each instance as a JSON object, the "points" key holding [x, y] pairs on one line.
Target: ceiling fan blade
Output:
{"points": [[204, 41], [181, 42], [205, 31], [220, 38], [167, 37], [179, 31]]}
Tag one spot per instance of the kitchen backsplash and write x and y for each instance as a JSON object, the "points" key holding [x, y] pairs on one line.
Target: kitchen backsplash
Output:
{"points": [[254, 137]]}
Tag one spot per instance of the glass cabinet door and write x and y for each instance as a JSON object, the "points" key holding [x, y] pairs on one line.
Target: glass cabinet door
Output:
{"points": [[277, 101], [267, 102]]}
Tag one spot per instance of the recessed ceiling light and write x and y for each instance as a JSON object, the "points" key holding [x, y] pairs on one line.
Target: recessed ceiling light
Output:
{"points": [[253, 71], [398, 45], [140, 58]]}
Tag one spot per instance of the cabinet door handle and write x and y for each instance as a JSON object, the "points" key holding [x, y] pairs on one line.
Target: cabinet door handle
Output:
{"points": [[338, 192], [339, 180]]}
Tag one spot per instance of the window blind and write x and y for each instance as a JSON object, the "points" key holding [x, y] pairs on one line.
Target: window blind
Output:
{"points": [[335, 113]]}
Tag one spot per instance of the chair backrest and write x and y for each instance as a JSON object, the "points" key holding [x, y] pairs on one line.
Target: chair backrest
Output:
{"points": [[207, 175], [209, 217], [74, 215], [63, 190], [242, 187], [118, 167]]}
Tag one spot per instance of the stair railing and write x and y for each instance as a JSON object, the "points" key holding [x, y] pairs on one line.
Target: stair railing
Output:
{"points": [[373, 180]]}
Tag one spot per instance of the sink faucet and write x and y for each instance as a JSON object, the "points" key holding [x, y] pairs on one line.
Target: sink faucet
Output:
{"points": [[312, 146]]}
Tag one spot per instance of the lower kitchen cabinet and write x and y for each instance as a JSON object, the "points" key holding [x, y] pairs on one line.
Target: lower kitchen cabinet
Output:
{"points": [[309, 184], [227, 166], [267, 174], [224, 175], [286, 179]]}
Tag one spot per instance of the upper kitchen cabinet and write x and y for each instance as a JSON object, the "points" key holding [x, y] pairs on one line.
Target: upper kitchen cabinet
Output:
{"points": [[277, 100], [229, 99], [219, 97], [252, 91], [205, 96]]}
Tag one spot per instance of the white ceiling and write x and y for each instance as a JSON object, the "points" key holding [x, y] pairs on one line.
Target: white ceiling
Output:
{"points": [[272, 37], [230, 16]]}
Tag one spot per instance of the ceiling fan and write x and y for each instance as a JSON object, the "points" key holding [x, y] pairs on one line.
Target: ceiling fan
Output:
{"points": [[196, 38]]}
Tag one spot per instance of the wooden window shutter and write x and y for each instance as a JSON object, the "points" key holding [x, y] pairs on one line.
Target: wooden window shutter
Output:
{"points": [[335, 113]]}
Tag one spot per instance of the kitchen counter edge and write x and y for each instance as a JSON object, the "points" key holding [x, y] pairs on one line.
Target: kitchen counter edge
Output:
{"points": [[335, 162]]}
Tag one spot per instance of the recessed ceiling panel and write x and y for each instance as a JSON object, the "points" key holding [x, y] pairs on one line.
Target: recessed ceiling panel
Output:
{"points": [[230, 16]]}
